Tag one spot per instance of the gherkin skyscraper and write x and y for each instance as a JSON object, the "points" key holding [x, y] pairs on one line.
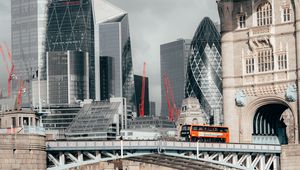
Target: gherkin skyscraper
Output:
{"points": [[204, 71]]}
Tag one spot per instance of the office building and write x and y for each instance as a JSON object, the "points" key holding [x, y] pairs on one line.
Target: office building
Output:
{"points": [[70, 26], [204, 71], [105, 120], [173, 63], [107, 77], [138, 94], [112, 39], [28, 33], [152, 108], [67, 77], [57, 119]]}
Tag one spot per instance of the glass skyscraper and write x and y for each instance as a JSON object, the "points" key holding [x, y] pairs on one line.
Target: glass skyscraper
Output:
{"points": [[28, 32], [173, 63], [204, 71], [71, 27], [112, 38]]}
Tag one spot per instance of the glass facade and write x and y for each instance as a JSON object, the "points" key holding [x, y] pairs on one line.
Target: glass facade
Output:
{"points": [[204, 71], [28, 31], [138, 94], [71, 27], [115, 42], [107, 77], [173, 60], [67, 77]]}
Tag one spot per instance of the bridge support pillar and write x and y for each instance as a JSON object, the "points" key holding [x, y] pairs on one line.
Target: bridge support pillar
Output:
{"points": [[262, 162], [80, 156], [61, 158]]}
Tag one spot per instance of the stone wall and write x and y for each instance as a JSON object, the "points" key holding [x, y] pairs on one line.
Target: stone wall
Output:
{"points": [[290, 156], [20, 152]]}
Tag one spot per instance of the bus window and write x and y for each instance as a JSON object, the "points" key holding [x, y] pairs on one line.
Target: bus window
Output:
{"points": [[201, 128], [194, 128]]}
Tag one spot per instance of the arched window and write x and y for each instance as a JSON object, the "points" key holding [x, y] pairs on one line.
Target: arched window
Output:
{"points": [[264, 14]]}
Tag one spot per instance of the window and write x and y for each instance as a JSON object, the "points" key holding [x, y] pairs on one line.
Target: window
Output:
{"points": [[249, 65], [286, 14], [265, 61], [264, 14], [242, 21], [282, 62]]}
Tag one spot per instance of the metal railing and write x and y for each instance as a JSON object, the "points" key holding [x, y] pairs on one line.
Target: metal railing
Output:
{"points": [[24, 130]]}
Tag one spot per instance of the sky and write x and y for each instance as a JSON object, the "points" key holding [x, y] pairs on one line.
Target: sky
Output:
{"points": [[152, 23]]}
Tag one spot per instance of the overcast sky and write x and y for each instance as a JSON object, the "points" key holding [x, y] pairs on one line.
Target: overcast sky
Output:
{"points": [[152, 23]]}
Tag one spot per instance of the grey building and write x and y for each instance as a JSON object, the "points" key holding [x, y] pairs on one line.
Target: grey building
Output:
{"points": [[28, 32], [103, 121], [67, 77], [138, 81], [173, 63], [152, 108], [107, 77], [150, 122], [58, 118], [70, 26], [204, 74], [114, 41]]}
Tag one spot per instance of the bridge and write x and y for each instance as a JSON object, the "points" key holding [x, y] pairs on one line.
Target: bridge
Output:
{"points": [[174, 154]]}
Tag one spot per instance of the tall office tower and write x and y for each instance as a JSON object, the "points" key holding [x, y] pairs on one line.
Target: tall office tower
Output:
{"points": [[28, 31], [204, 72], [70, 26], [173, 63], [107, 77], [138, 94], [112, 39], [67, 77], [152, 108]]}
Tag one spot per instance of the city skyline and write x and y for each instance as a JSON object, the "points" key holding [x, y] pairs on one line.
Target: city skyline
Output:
{"points": [[148, 31]]}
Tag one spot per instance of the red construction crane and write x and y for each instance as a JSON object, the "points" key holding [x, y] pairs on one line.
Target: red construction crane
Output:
{"points": [[170, 102], [20, 92], [11, 71], [142, 104]]}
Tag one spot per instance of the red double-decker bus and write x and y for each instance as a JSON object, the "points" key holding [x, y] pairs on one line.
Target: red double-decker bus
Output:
{"points": [[205, 133]]}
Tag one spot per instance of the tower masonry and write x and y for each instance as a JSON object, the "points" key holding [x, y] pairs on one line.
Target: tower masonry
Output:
{"points": [[260, 60]]}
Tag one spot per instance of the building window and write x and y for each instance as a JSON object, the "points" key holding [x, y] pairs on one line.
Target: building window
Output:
{"points": [[264, 14], [286, 14], [265, 61], [282, 62], [242, 21], [249, 65]]}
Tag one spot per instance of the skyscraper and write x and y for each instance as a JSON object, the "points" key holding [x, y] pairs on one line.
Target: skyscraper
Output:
{"points": [[107, 77], [67, 77], [112, 39], [70, 26], [138, 94], [204, 71], [173, 63], [28, 32]]}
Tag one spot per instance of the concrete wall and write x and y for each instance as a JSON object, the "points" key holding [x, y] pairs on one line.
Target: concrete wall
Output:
{"points": [[290, 156], [20, 152]]}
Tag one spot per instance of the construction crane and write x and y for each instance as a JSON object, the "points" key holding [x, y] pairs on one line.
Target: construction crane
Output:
{"points": [[142, 104], [172, 108], [11, 71]]}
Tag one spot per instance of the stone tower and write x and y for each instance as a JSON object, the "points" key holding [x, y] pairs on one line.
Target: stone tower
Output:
{"points": [[261, 50]]}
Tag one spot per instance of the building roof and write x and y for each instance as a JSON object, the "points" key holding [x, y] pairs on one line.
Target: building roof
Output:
{"points": [[105, 11]]}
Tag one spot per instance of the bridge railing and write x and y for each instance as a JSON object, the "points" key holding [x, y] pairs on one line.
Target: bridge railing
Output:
{"points": [[162, 145]]}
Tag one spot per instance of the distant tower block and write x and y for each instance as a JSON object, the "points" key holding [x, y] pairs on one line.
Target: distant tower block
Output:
{"points": [[260, 60]]}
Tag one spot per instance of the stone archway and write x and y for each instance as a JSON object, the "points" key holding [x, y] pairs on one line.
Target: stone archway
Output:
{"points": [[273, 123]]}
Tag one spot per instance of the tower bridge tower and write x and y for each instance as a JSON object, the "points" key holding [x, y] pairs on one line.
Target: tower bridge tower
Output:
{"points": [[261, 66]]}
